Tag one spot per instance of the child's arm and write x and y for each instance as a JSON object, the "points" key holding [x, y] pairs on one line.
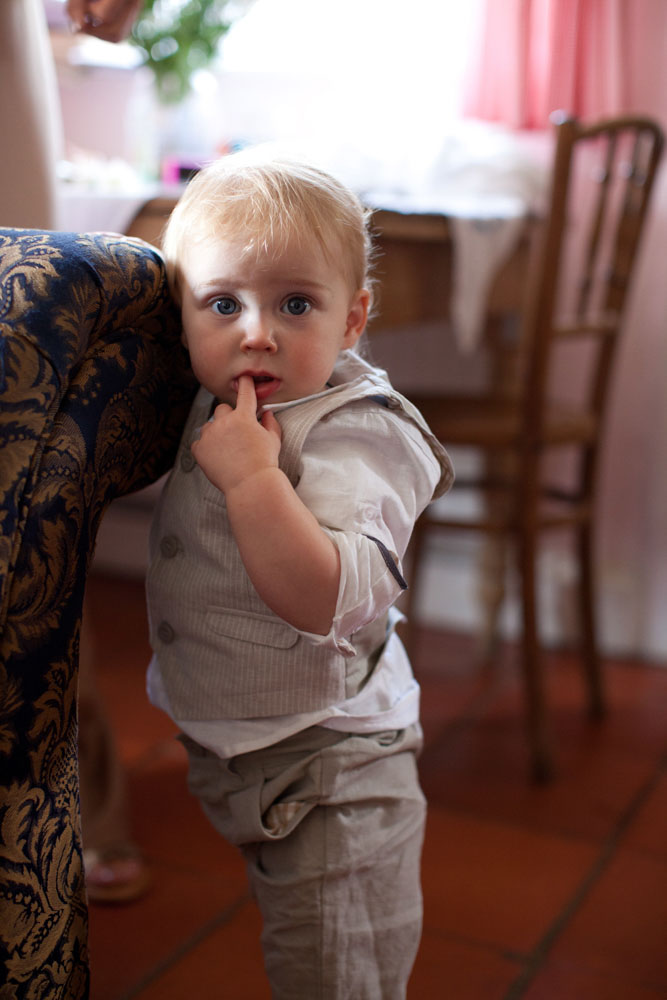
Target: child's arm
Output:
{"points": [[293, 564]]}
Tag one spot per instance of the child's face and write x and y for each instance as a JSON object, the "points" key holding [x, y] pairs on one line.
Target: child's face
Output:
{"points": [[282, 317]]}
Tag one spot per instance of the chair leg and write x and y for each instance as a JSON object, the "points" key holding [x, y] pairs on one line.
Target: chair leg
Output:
{"points": [[491, 592], [541, 760], [589, 646], [494, 555]]}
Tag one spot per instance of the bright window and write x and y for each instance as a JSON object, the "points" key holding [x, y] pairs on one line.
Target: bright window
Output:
{"points": [[382, 78]]}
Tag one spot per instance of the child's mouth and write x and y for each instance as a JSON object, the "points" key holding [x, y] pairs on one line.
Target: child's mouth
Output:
{"points": [[265, 385]]}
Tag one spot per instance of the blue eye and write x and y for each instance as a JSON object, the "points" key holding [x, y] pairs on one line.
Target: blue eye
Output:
{"points": [[296, 305], [225, 306]]}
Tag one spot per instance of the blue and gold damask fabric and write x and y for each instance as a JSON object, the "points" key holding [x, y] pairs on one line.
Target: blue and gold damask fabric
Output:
{"points": [[94, 390]]}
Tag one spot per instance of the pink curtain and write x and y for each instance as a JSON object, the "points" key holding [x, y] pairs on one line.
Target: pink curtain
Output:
{"points": [[537, 56]]}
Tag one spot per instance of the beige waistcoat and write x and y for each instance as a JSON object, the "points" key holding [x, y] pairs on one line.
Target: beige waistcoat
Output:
{"points": [[222, 652]]}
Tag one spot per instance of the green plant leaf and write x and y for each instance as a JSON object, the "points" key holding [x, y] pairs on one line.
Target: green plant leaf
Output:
{"points": [[177, 37]]}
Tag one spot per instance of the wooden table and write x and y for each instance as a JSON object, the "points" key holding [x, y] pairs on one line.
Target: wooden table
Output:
{"points": [[414, 271], [151, 219]]}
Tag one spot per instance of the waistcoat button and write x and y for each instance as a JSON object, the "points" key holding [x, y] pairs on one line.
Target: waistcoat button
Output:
{"points": [[170, 546], [187, 460], [165, 633]]}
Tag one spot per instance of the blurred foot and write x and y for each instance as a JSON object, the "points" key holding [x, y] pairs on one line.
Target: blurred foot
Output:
{"points": [[115, 874]]}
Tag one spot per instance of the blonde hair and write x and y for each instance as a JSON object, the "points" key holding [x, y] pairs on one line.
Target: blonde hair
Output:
{"points": [[268, 201]]}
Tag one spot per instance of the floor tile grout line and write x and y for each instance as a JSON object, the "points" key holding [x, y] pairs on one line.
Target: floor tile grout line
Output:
{"points": [[160, 968], [539, 954]]}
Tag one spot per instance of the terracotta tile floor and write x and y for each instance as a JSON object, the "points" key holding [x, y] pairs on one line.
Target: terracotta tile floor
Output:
{"points": [[542, 893]]}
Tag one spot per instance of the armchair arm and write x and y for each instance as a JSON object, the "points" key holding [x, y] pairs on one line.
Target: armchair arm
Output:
{"points": [[94, 389]]}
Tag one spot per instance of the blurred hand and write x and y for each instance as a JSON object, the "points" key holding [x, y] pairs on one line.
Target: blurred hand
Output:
{"points": [[110, 20]]}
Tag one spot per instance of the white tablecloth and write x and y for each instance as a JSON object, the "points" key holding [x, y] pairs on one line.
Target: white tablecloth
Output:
{"points": [[84, 209], [485, 231]]}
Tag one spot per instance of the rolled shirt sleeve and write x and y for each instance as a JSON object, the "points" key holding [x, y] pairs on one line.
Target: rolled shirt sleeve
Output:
{"points": [[366, 481]]}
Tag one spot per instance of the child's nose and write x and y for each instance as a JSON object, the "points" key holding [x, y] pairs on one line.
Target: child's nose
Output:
{"points": [[258, 334]]}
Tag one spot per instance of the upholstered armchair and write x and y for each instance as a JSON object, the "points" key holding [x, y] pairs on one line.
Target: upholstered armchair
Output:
{"points": [[94, 389]]}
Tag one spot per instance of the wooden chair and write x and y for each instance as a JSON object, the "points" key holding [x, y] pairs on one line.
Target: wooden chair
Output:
{"points": [[518, 426]]}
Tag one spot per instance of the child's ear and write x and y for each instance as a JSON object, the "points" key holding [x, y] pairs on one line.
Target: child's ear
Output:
{"points": [[357, 317]]}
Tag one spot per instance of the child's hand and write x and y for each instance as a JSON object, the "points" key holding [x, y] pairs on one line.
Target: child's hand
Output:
{"points": [[234, 445]]}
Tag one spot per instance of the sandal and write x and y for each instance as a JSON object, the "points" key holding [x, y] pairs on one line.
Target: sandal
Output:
{"points": [[115, 874]]}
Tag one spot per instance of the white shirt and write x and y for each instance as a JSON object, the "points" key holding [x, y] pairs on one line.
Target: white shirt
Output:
{"points": [[360, 477]]}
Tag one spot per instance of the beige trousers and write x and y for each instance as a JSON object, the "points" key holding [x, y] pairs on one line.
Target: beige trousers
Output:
{"points": [[331, 827], [30, 117]]}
